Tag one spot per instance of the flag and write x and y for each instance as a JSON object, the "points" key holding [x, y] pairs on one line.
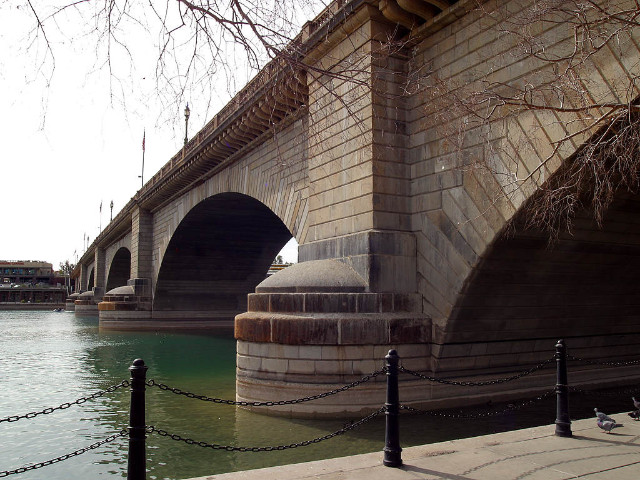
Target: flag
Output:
{"points": [[144, 133]]}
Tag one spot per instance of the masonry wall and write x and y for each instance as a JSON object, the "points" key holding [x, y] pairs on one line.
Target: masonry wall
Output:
{"points": [[465, 188]]}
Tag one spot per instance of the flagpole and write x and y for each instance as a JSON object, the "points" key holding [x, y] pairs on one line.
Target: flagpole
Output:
{"points": [[144, 133]]}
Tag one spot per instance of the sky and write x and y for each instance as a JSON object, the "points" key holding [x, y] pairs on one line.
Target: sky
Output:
{"points": [[71, 133]]}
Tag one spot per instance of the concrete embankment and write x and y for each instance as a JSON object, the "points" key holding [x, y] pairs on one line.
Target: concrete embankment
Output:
{"points": [[528, 454]]}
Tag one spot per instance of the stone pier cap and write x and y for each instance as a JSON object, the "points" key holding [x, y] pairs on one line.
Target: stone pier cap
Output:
{"points": [[325, 302], [314, 276]]}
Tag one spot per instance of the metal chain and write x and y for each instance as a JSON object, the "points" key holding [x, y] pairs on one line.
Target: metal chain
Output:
{"points": [[616, 393], [509, 408], [61, 458], [608, 364], [177, 391], [231, 448], [64, 406], [478, 384]]}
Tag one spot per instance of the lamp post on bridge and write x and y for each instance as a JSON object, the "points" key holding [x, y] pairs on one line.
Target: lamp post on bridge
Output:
{"points": [[187, 113], [111, 217]]}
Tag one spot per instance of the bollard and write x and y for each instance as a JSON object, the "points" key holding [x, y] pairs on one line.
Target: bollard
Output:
{"points": [[563, 422], [137, 462], [392, 450]]}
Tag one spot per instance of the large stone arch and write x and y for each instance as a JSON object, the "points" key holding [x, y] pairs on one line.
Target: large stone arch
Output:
{"points": [[218, 253], [119, 269], [525, 293]]}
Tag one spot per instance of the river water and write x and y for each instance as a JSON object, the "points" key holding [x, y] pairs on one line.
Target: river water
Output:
{"points": [[49, 358]]}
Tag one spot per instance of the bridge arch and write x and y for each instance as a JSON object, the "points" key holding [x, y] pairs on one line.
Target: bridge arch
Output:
{"points": [[91, 278], [119, 269], [525, 292], [219, 252]]}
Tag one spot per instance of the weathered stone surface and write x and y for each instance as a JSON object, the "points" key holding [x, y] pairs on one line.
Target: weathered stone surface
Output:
{"points": [[315, 276]]}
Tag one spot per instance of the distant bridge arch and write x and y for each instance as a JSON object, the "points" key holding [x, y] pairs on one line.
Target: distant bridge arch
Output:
{"points": [[119, 270]]}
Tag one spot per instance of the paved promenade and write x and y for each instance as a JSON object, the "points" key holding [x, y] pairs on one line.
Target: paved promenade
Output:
{"points": [[529, 454]]}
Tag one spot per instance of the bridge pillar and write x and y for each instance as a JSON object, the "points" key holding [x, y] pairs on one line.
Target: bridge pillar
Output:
{"points": [[314, 327], [99, 274], [334, 316], [82, 278], [141, 243], [84, 303], [129, 306]]}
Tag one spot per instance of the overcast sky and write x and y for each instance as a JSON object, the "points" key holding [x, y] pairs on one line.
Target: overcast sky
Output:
{"points": [[72, 139]]}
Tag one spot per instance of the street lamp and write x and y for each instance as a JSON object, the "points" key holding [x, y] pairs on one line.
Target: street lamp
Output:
{"points": [[111, 211], [187, 112]]}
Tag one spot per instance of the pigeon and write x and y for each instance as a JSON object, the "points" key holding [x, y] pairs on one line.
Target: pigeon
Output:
{"points": [[603, 416], [636, 403], [635, 415], [607, 425]]}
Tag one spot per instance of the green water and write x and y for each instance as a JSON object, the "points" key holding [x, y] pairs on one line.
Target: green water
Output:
{"points": [[49, 358]]}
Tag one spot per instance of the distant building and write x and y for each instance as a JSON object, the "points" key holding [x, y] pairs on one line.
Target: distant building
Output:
{"points": [[31, 283], [26, 271]]}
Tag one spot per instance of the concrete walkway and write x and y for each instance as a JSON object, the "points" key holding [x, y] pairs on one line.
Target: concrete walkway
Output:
{"points": [[529, 454]]}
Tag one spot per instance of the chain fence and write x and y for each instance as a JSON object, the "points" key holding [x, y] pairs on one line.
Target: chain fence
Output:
{"points": [[232, 448], [609, 393], [64, 406], [66, 456], [465, 383], [177, 391], [511, 407], [604, 363], [391, 408]]}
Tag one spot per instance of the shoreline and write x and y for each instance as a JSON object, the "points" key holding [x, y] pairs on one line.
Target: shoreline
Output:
{"points": [[30, 306]]}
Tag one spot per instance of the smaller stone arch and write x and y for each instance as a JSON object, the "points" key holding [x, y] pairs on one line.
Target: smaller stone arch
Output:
{"points": [[120, 269], [91, 277]]}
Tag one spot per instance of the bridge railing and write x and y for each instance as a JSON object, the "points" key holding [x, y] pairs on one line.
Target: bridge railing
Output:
{"points": [[138, 430]]}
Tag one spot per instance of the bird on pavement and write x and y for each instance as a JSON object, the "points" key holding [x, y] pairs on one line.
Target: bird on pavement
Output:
{"points": [[636, 403], [635, 415], [607, 425], [603, 416]]}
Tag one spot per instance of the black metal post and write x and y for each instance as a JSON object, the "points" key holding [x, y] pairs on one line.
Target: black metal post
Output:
{"points": [[392, 450], [137, 461], [563, 422]]}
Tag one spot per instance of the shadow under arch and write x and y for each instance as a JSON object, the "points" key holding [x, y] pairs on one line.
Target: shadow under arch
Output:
{"points": [[91, 281], [218, 254], [526, 292], [120, 269]]}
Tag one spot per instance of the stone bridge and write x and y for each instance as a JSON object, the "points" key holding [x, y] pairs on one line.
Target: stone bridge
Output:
{"points": [[401, 241]]}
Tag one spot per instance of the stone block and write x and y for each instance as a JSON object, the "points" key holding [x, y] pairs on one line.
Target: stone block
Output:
{"points": [[274, 365], [409, 330], [286, 302], [258, 302], [334, 367], [330, 303], [310, 352], [306, 367], [252, 329], [248, 363], [365, 367], [364, 330], [277, 350]]}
